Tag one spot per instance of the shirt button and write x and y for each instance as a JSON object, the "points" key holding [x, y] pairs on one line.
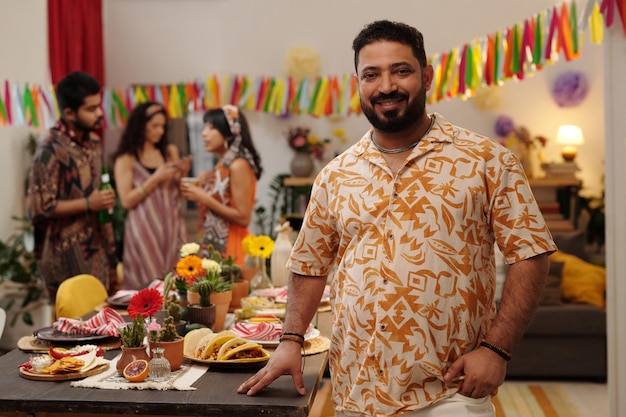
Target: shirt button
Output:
{"points": [[391, 236], [380, 372], [383, 326], [385, 281]]}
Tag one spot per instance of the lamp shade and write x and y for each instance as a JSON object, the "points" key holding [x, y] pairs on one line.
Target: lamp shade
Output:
{"points": [[570, 135]]}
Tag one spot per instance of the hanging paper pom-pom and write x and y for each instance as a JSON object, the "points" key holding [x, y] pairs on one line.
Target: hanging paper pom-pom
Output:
{"points": [[504, 126], [570, 89], [488, 98], [302, 62]]}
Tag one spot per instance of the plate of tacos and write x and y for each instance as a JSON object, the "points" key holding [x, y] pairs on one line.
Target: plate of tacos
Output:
{"points": [[223, 350]]}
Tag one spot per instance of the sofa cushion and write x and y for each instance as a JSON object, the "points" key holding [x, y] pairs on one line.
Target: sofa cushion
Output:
{"points": [[582, 282], [568, 320]]}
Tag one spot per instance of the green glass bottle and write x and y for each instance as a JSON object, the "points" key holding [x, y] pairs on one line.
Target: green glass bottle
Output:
{"points": [[105, 216]]}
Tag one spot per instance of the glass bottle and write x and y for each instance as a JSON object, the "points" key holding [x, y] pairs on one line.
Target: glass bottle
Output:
{"points": [[158, 366], [104, 216], [261, 280]]}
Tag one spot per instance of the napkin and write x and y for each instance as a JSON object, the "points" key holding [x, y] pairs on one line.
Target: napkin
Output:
{"points": [[106, 322]]}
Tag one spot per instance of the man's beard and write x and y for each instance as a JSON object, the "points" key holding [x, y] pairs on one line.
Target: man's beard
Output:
{"points": [[79, 125], [392, 123]]}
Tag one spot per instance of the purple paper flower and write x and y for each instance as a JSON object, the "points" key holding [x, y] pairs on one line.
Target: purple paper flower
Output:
{"points": [[570, 89], [504, 126]]}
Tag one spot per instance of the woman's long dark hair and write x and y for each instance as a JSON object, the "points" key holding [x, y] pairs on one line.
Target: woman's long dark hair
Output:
{"points": [[217, 119], [134, 135]]}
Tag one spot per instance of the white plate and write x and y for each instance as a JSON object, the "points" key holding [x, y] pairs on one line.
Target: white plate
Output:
{"points": [[273, 343]]}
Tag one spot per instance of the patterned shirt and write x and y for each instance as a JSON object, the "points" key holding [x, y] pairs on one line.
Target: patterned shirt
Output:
{"points": [[65, 169], [413, 285]]}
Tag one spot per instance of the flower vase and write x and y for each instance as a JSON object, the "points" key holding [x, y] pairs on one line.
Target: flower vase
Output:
{"points": [[222, 302], [250, 268], [159, 366], [280, 256], [261, 280], [302, 165], [130, 354]]}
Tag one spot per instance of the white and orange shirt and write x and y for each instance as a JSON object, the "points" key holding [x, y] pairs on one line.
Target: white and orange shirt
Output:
{"points": [[412, 256]]}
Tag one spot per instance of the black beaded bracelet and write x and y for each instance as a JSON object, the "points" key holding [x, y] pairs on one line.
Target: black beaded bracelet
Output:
{"points": [[503, 353]]}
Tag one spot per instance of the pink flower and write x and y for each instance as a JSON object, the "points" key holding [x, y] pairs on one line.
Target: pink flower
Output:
{"points": [[299, 141]]}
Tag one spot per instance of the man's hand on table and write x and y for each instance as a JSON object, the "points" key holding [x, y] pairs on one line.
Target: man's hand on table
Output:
{"points": [[286, 360]]}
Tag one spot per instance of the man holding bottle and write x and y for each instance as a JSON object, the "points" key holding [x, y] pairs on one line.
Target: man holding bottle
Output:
{"points": [[65, 195]]}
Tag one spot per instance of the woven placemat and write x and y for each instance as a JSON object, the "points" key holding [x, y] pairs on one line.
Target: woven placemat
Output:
{"points": [[35, 345]]}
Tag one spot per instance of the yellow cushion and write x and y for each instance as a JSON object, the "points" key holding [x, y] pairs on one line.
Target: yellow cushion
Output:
{"points": [[582, 282], [79, 295]]}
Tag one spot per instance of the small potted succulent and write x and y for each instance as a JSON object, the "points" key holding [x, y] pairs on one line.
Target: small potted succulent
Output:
{"points": [[167, 337], [204, 312]]}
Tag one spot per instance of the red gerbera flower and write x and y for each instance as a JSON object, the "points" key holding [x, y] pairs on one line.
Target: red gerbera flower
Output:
{"points": [[147, 302]]}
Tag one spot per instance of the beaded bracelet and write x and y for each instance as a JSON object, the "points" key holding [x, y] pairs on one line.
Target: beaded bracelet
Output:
{"points": [[300, 336], [503, 353], [291, 338], [87, 204]]}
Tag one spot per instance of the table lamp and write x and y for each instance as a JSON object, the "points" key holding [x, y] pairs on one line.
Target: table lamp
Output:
{"points": [[570, 136]]}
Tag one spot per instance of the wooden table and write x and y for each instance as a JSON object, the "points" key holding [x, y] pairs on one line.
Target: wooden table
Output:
{"points": [[216, 395]]}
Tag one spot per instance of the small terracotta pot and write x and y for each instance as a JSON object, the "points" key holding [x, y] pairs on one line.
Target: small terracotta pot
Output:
{"points": [[240, 290], [131, 354], [222, 302], [193, 297], [173, 351]]}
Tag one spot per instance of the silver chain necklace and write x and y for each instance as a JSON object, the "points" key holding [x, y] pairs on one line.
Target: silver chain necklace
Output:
{"points": [[405, 148]]}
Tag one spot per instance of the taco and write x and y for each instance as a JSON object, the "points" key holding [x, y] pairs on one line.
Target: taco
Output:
{"points": [[241, 352], [193, 337], [228, 347], [209, 346]]}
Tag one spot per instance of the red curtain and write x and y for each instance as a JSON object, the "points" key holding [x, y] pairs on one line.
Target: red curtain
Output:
{"points": [[75, 38]]}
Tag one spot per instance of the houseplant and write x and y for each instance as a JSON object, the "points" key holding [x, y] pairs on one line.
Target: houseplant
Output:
{"points": [[133, 347], [21, 288], [167, 337], [145, 303], [204, 311]]}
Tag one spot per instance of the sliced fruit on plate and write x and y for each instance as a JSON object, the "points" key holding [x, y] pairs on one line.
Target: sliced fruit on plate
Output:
{"points": [[136, 371]]}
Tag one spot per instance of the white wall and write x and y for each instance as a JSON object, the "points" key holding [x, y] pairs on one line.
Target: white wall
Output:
{"points": [[164, 41], [23, 58]]}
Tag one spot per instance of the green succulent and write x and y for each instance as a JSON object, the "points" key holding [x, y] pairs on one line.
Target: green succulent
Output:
{"points": [[133, 333], [168, 330]]}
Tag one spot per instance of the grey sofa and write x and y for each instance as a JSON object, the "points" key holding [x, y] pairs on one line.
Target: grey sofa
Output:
{"points": [[562, 341]]}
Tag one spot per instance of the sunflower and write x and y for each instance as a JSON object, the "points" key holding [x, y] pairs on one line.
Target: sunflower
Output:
{"points": [[189, 268], [146, 302], [262, 246]]}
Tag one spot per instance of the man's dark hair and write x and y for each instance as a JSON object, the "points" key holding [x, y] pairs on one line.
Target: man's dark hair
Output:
{"points": [[385, 30], [73, 88]]}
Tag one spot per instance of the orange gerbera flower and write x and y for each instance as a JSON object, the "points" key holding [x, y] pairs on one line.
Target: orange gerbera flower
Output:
{"points": [[146, 302], [189, 268]]}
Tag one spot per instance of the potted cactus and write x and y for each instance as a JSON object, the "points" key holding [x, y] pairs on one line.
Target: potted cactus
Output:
{"points": [[204, 312], [167, 337]]}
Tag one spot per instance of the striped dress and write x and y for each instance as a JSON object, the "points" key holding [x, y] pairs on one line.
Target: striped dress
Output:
{"points": [[154, 231]]}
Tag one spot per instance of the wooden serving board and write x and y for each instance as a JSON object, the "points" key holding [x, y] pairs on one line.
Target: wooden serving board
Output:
{"points": [[63, 376]]}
